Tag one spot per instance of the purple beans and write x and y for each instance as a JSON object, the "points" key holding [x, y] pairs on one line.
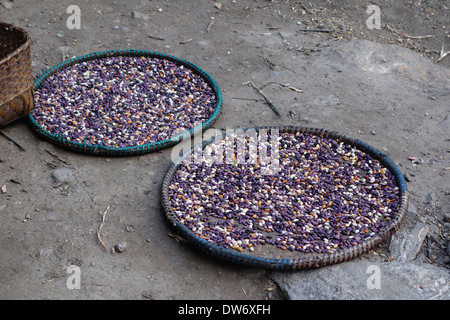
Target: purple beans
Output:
{"points": [[326, 196], [122, 101]]}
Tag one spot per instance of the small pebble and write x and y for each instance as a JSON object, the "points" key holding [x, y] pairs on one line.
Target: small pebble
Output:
{"points": [[120, 247]]}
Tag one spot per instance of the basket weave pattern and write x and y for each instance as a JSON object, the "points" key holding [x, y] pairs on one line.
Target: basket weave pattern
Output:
{"points": [[16, 77]]}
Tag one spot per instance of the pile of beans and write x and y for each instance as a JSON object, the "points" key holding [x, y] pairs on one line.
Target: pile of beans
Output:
{"points": [[122, 101], [326, 196]]}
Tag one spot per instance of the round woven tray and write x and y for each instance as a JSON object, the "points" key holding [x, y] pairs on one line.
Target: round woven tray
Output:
{"points": [[274, 258], [133, 150], [16, 76]]}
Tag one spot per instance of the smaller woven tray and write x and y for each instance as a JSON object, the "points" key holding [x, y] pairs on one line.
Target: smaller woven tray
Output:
{"points": [[16, 76], [132, 150], [273, 258]]}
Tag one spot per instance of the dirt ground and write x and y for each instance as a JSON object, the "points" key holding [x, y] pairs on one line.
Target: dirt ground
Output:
{"points": [[47, 227]]}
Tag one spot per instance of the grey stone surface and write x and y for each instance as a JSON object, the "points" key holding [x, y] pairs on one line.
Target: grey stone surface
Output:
{"points": [[62, 177], [356, 280], [405, 244]]}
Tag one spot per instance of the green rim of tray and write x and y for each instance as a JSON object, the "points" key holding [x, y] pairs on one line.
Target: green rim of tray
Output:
{"points": [[135, 150], [301, 260]]}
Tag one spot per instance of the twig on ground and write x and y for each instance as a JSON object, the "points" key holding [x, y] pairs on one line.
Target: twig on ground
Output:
{"points": [[12, 140], [57, 157], [288, 86], [100, 230], [147, 296], [264, 96], [442, 54], [249, 99], [270, 64], [176, 237], [210, 24], [271, 82], [405, 35], [185, 41], [316, 30], [15, 181], [156, 38]]}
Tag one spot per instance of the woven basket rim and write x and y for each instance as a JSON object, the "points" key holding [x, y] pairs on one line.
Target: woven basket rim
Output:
{"points": [[304, 260], [20, 49], [134, 150]]}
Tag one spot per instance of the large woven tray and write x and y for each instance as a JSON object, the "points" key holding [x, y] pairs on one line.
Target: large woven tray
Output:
{"points": [[132, 150], [273, 258]]}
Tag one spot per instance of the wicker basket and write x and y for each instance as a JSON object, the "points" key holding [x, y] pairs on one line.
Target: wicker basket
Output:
{"points": [[16, 76]]}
